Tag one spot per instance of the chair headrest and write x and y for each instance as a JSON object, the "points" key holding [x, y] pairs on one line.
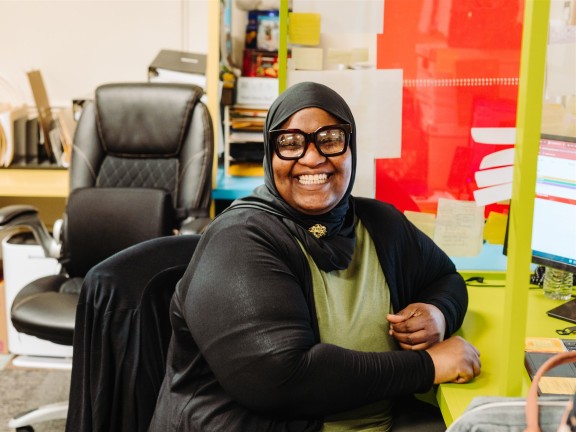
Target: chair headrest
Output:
{"points": [[148, 119]]}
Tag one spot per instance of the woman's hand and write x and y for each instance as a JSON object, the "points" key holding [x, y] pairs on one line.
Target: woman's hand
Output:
{"points": [[455, 360], [417, 326]]}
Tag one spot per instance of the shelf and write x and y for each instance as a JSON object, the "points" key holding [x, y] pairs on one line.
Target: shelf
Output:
{"points": [[243, 126]]}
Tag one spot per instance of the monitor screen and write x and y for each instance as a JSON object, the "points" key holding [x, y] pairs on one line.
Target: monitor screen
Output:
{"points": [[554, 225]]}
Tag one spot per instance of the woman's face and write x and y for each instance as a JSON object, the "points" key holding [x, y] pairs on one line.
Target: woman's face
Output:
{"points": [[313, 184]]}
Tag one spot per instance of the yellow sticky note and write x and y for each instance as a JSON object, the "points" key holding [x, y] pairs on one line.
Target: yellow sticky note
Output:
{"points": [[495, 228], [304, 28]]}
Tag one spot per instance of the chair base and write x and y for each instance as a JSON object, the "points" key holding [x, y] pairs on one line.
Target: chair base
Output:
{"points": [[55, 411], [37, 362]]}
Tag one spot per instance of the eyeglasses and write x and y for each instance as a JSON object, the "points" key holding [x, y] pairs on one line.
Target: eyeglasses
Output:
{"points": [[566, 331], [291, 144]]}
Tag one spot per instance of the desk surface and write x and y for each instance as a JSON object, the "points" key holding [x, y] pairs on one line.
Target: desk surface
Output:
{"points": [[51, 183], [233, 187], [482, 327]]}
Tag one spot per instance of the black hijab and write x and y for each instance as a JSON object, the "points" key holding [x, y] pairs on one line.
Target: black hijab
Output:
{"points": [[333, 250]]}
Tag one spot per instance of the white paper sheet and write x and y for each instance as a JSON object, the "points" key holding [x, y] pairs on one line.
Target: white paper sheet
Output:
{"points": [[499, 158], [493, 194], [495, 135], [494, 176], [352, 16], [459, 227]]}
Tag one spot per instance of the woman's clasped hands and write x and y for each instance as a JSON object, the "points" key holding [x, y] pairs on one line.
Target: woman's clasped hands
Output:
{"points": [[421, 326]]}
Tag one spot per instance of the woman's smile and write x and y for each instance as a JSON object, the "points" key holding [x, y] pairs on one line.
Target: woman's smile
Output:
{"points": [[312, 179]]}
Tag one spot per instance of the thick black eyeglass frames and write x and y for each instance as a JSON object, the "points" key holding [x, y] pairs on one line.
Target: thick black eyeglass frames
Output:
{"points": [[291, 144]]}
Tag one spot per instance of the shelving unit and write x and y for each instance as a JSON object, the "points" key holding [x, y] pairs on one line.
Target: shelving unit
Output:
{"points": [[243, 140]]}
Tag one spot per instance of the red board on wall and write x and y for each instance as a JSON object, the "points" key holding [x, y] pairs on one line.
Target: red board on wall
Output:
{"points": [[461, 66]]}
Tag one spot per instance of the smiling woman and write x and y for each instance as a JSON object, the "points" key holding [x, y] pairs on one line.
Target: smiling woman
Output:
{"points": [[307, 309]]}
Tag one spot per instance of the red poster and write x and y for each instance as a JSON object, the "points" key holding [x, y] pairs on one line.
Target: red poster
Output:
{"points": [[460, 63]]}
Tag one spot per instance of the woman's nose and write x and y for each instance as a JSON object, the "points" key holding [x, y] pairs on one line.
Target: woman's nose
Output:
{"points": [[312, 156]]}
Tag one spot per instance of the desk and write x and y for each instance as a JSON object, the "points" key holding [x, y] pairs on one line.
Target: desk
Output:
{"points": [[44, 188], [234, 187], [482, 327], [228, 188]]}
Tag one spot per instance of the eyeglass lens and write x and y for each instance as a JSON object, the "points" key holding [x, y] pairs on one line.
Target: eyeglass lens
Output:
{"points": [[328, 142]]}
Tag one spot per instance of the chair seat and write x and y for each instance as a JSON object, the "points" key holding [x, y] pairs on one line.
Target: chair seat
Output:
{"points": [[40, 309]]}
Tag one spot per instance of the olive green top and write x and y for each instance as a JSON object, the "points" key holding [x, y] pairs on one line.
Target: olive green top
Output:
{"points": [[351, 306]]}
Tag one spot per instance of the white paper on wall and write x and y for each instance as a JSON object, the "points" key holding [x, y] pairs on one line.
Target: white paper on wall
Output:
{"points": [[346, 16], [459, 227], [375, 98], [365, 181]]}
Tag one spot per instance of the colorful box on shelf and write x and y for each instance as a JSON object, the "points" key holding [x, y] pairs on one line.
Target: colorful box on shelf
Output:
{"points": [[260, 64]]}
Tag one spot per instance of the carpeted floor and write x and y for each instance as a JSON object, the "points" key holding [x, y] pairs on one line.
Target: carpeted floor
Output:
{"points": [[24, 389]]}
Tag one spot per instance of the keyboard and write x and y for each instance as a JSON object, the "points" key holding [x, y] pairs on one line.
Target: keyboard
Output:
{"points": [[570, 344]]}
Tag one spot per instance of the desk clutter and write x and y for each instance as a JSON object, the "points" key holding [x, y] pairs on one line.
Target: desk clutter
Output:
{"points": [[35, 136]]}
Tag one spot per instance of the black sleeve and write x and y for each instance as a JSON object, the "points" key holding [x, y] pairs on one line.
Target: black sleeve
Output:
{"points": [[246, 311]]}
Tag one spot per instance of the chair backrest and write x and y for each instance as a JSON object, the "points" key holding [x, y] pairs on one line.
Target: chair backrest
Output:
{"points": [[141, 164], [121, 335]]}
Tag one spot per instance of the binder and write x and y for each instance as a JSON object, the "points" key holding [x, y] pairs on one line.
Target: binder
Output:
{"points": [[32, 139], [20, 141], [178, 67]]}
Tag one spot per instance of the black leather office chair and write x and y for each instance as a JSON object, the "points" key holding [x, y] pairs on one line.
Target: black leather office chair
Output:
{"points": [[141, 168], [122, 335]]}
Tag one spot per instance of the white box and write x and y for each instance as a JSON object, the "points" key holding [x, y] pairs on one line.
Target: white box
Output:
{"points": [[24, 261], [256, 91]]}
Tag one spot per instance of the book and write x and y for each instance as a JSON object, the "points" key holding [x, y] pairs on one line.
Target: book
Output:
{"points": [[45, 118]]}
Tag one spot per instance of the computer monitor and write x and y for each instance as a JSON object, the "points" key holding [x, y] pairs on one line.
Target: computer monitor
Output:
{"points": [[554, 224]]}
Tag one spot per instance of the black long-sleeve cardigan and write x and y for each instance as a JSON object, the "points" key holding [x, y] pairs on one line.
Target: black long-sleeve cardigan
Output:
{"points": [[246, 353]]}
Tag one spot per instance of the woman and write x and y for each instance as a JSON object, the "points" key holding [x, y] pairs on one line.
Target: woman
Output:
{"points": [[307, 309]]}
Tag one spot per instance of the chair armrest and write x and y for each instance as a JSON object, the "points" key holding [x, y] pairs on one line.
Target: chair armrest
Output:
{"points": [[194, 225], [25, 217], [12, 212]]}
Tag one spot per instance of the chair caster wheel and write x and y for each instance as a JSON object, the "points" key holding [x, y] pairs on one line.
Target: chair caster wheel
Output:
{"points": [[25, 429]]}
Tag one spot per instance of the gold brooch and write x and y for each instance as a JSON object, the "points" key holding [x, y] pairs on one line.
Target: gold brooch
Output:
{"points": [[318, 230]]}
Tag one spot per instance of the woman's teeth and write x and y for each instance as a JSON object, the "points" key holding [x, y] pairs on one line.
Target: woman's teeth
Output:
{"points": [[313, 179]]}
